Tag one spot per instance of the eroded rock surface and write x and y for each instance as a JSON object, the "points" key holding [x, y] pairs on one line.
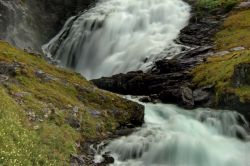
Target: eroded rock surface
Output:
{"points": [[29, 24], [169, 81]]}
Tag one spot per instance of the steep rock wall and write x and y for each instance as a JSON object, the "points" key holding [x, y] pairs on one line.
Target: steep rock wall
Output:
{"points": [[28, 24]]}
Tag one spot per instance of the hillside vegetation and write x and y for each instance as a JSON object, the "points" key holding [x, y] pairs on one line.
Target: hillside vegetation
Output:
{"points": [[47, 113], [230, 65], [211, 5]]}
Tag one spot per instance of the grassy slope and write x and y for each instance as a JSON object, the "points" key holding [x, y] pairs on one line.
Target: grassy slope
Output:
{"points": [[218, 70], [46, 138], [212, 4]]}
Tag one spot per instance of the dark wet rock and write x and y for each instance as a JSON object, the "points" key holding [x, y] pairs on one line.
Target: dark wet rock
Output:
{"points": [[204, 96], [145, 99], [137, 117], [202, 26], [231, 101], [170, 96], [166, 87], [77, 160], [139, 83], [168, 81], [181, 96], [201, 95], [108, 159], [187, 97], [241, 75], [74, 122], [9, 69], [201, 50], [124, 131], [199, 31]]}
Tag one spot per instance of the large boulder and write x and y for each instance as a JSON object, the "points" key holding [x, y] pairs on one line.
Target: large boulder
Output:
{"points": [[168, 82], [241, 75]]}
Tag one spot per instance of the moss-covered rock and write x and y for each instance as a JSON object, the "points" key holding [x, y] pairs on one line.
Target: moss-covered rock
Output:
{"points": [[46, 111], [229, 73]]}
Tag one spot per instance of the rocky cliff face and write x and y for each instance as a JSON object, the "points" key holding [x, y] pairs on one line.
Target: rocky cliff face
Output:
{"points": [[28, 24]]}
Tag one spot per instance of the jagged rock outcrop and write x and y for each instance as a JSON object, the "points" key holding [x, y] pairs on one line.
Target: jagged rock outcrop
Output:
{"points": [[28, 24], [169, 81], [202, 25]]}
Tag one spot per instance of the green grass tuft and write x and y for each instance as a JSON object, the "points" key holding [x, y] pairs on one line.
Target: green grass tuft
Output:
{"points": [[35, 113]]}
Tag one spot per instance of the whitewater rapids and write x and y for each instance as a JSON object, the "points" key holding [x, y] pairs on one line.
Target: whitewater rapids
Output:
{"points": [[173, 136], [117, 36]]}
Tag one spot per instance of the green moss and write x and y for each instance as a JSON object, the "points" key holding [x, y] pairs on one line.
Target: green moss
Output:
{"points": [[235, 31], [218, 70], [209, 5], [18, 144], [243, 92], [60, 140], [47, 136]]}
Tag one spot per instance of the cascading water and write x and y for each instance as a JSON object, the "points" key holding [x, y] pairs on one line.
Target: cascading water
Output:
{"points": [[122, 35], [175, 137], [118, 36]]}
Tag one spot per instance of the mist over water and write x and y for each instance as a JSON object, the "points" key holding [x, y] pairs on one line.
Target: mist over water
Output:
{"points": [[117, 36], [173, 136]]}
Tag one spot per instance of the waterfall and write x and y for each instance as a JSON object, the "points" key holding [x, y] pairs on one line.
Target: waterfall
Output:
{"points": [[173, 136], [118, 36]]}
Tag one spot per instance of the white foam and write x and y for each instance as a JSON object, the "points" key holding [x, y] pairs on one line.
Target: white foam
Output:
{"points": [[118, 36], [173, 136]]}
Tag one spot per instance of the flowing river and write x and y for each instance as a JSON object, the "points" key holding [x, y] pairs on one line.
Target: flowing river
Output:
{"points": [[172, 136], [124, 35]]}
